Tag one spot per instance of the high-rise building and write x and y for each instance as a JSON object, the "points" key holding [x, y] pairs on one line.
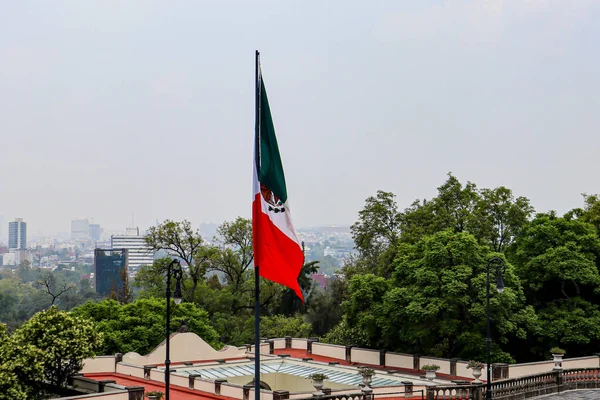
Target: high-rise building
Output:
{"points": [[110, 267], [139, 253], [17, 235], [80, 229], [95, 232]]}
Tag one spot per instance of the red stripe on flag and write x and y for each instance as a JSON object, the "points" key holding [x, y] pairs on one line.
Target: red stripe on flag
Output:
{"points": [[280, 258]]}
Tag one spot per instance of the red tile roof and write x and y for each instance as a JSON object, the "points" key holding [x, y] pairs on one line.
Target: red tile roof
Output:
{"points": [[175, 392]]}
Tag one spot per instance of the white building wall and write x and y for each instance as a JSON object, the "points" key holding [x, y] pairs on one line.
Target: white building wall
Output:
{"points": [[139, 252]]}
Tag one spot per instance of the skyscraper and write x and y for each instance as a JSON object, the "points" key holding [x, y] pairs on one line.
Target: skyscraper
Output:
{"points": [[110, 271], [138, 252], [80, 229], [95, 232], [17, 235]]}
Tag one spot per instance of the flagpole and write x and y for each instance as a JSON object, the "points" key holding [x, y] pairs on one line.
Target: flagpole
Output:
{"points": [[256, 274]]}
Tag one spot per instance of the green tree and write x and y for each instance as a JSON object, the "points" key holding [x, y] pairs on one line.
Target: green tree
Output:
{"points": [[557, 261], [359, 325], [139, 326], [179, 239], [377, 230], [277, 326], [500, 217], [21, 372], [65, 341], [324, 311], [438, 289]]}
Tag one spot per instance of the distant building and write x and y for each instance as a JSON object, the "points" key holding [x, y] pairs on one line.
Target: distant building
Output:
{"points": [[321, 280], [95, 232], [109, 266], [139, 253], [17, 235], [80, 229]]}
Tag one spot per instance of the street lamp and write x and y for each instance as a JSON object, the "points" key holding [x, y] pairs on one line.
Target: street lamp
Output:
{"points": [[174, 269], [500, 269]]}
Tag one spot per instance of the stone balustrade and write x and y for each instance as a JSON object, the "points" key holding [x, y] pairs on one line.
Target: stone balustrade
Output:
{"points": [[523, 387]]}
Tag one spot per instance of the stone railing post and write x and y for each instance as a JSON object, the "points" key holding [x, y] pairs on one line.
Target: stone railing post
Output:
{"points": [[192, 379], [559, 379], [147, 369], [430, 394], [309, 343], [382, 357], [348, 353], [281, 394], [453, 362], [288, 342], [478, 392], [417, 361], [246, 389], [408, 388], [499, 371], [135, 392], [118, 358], [271, 346], [218, 383]]}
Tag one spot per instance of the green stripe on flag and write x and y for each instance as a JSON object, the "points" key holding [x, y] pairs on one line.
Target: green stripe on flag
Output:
{"points": [[270, 171]]}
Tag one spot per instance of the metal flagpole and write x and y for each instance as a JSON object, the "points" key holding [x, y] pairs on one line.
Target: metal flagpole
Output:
{"points": [[256, 275]]}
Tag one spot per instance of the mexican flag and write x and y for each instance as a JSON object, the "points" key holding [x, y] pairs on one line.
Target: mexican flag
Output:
{"points": [[277, 248]]}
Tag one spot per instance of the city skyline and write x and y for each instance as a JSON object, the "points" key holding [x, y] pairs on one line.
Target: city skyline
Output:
{"points": [[110, 108]]}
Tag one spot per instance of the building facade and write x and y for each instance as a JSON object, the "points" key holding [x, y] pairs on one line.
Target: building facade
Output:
{"points": [[17, 235], [110, 269], [95, 232], [80, 229], [139, 253]]}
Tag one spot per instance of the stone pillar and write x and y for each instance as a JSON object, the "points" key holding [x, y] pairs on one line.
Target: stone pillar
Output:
{"points": [[288, 342], [499, 371], [478, 392], [118, 358], [281, 394], [103, 383], [218, 383], [147, 369], [453, 362], [247, 391], [417, 361], [271, 346], [309, 343], [382, 357], [348, 353], [192, 379], [70, 378], [408, 388], [135, 392], [430, 394]]}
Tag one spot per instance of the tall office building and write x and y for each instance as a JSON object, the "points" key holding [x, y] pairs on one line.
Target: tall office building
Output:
{"points": [[95, 232], [17, 235], [139, 253], [110, 267], [80, 229]]}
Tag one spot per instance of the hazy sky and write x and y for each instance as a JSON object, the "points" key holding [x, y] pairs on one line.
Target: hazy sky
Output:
{"points": [[114, 107]]}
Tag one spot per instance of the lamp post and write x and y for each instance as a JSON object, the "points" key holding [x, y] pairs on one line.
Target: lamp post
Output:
{"points": [[500, 269], [174, 269]]}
